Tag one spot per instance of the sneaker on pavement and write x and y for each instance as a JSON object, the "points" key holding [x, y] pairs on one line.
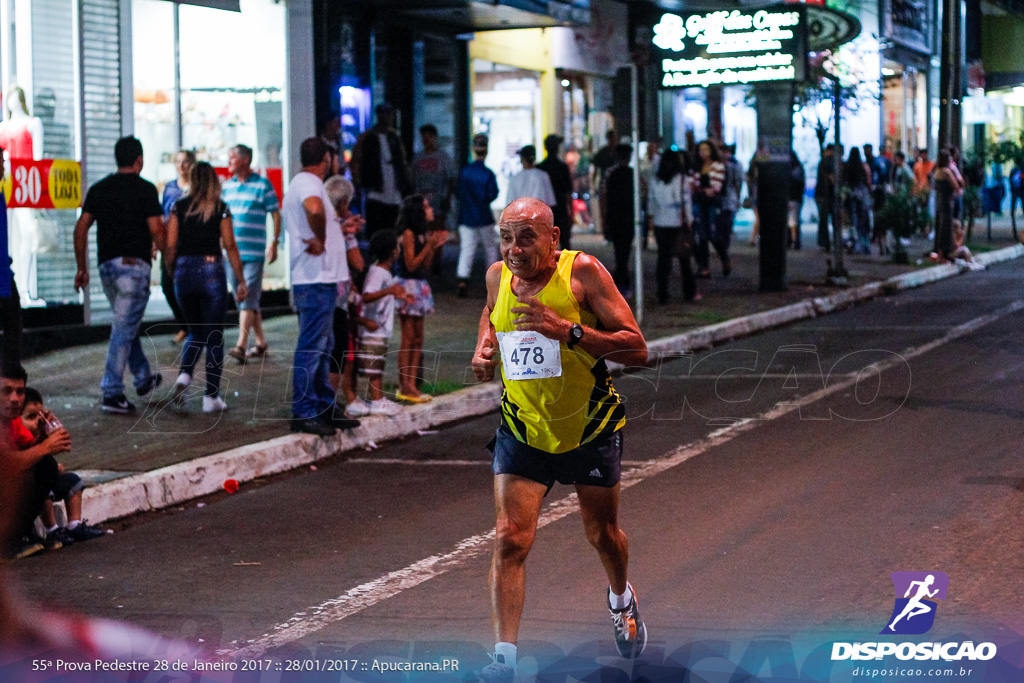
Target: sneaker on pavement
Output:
{"points": [[63, 535], [214, 404], [50, 541], [146, 390], [22, 548], [118, 405], [180, 386], [309, 425], [84, 532], [358, 408], [497, 670], [630, 631], [338, 420], [385, 407]]}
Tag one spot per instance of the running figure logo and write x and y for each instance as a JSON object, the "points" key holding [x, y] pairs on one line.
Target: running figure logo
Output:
{"points": [[914, 612]]}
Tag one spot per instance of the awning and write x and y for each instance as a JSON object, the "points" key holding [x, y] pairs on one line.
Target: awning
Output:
{"points": [[467, 16]]}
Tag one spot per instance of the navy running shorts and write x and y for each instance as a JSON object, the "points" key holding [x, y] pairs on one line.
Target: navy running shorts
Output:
{"points": [[598, 463]]}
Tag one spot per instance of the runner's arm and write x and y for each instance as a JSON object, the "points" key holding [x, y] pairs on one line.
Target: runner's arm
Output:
{"points": [[617, 337], [485, 357]]}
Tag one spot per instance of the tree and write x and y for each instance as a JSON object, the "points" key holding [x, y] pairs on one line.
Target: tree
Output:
{"points": [[814, 99]]}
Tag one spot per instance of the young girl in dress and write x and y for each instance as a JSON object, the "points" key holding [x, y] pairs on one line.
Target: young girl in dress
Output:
{"points": [[419, 249]]}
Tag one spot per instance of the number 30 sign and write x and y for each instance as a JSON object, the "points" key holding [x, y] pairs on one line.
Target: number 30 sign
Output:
{"points": [[44, 184]]}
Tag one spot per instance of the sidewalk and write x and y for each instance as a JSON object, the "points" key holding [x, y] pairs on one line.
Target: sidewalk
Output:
{"points": [[114, 448]]}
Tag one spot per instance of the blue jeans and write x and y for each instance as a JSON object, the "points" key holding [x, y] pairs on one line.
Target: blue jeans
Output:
{"points": [[312, 394], [201, 289], [127, 289], [704, 216]]}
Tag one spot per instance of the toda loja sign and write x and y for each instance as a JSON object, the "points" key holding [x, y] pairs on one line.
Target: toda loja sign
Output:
{"points": [[43, 184], [730, 47]]}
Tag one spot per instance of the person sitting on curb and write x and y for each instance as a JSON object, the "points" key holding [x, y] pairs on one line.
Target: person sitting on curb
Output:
{"points": [[67, 487], [33, 463]]}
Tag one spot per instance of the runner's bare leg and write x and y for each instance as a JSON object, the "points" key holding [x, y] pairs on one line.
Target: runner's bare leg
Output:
{"points": [[517, 504], [599, 507]]}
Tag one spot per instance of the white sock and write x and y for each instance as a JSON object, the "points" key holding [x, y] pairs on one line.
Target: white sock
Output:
{"points": [[52, 529], [74, 524], [508, 650], [620, 601]]}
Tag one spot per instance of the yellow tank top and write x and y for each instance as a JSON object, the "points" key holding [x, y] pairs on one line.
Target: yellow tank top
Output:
{"points": [[558, 414]]}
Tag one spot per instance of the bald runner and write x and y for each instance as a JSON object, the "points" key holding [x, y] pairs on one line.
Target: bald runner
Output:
{"points": [[552, 320]]}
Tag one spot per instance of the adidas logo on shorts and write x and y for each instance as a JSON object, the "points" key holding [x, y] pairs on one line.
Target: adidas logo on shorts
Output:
{"points": [[595, 472]]}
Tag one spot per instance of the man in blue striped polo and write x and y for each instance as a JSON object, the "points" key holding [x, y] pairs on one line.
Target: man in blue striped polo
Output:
{"points": [[251, 197]]}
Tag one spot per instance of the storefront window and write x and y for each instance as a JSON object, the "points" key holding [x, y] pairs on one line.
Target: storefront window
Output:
{"points": [[37, 60], [506, 107], [153, 75], [231, 75], [232, 81]]}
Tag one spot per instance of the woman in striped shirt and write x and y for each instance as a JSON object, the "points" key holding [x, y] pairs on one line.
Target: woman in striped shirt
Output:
{"points": [[706, 185]]}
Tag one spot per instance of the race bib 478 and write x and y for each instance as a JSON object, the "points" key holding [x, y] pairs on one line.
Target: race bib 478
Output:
{"points": [[529, 355]]}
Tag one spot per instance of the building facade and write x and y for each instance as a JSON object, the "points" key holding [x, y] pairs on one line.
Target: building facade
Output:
{"points": [[201, 75]]}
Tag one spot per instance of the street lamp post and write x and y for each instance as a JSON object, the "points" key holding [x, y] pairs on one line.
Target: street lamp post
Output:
{"points": [[638, 232], [837, 272]]}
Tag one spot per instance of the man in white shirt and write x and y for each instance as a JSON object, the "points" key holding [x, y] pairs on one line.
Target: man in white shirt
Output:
{"points": [[531, 181], [317, 249]]}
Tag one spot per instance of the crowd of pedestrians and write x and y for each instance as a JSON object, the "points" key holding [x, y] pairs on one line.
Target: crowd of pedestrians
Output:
{"points": [[934, 191]]}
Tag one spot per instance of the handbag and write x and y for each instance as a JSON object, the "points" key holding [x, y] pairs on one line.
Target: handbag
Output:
{"points": [[684, 242]]}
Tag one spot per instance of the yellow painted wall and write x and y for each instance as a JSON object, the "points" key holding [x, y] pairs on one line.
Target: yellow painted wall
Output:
{"points": [[527, 48]]}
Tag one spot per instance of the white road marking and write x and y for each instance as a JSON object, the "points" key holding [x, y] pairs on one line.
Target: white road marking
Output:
{"points": [[366, 595], [446, 463], [413, 461]]}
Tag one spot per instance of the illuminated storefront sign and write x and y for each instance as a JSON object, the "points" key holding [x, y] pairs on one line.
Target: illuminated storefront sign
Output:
{"points": [[731, 47]]}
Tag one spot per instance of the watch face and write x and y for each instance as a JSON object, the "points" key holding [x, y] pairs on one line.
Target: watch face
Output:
{"points": [[577, 332]]}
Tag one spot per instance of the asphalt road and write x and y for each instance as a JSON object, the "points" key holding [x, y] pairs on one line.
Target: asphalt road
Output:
{"points": [[771, 487]]}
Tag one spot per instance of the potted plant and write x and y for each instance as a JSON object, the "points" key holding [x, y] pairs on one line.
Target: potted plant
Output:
{"points": [[904, 215]]}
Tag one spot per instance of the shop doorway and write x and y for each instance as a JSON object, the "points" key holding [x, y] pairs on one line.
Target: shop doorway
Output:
{"points": [[506, 108]]}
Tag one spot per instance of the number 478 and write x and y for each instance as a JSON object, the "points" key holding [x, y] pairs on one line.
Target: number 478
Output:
{"points": [[521, 355]]}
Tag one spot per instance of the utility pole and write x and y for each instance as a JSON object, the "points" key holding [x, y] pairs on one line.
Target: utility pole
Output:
{"points": [[952, 74], [837, 273]]}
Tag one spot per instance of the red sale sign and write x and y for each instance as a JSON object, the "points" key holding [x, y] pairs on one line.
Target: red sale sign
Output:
{"points": [[44, 184]]}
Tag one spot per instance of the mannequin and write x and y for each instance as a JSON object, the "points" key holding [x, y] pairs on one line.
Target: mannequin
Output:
{"points": [[21, 135]]}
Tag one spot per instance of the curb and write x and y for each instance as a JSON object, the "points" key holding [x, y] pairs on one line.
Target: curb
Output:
{"points": [[175, 484]]}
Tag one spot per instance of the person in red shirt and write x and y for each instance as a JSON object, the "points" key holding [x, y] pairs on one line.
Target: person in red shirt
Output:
{"points": [[31, 460]]}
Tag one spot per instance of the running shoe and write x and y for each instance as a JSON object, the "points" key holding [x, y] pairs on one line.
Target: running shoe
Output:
{"points": [[63, 535], [118, 405], [497, 671], [84, 532], [385, 407], [180, 386], [311, 426], [49, 541], [214, 404], [22, 548], [358, 408], [339, 420], [630, 632], [146, 390]]}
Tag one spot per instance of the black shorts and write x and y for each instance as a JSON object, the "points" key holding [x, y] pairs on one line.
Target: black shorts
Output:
{"points": [[67, 485], [598, 463]]}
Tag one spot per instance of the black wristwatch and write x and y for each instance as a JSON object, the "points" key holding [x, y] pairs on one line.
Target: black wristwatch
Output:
{"points": [[575, 335]]}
